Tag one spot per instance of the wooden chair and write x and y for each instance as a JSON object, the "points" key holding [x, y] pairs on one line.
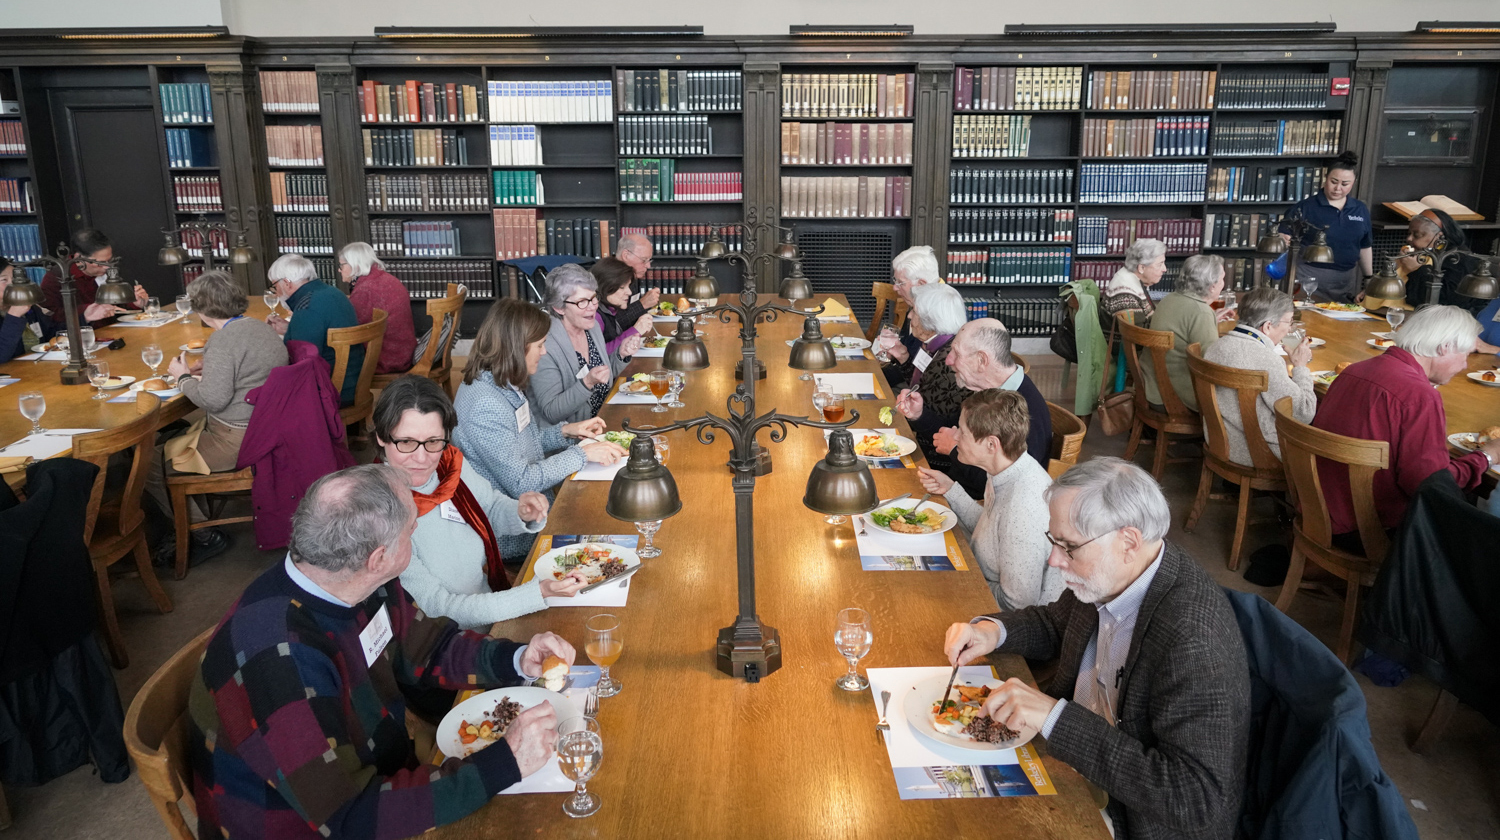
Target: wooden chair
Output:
{"points": [[180, 487], [156, 733], [1302, 447], [1178, 418], [341, 339], [885, 293], [436, 362], [1265, 473], [1021, 360], [116, 527], [1067, 439]]}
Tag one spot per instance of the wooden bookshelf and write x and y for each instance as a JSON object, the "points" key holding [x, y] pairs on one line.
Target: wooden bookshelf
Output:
{"points": [[17, 166]]}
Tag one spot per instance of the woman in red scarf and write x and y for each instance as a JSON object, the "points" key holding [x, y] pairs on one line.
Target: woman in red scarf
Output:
{"points": [[455, 568]]}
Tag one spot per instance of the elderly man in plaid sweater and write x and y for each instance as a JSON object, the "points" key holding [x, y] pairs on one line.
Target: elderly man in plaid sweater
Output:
{"points": [[298, 717]]}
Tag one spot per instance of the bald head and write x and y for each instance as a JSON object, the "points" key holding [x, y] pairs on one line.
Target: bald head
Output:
{"points": [[980, 355], [347, 515], [635, 251]]}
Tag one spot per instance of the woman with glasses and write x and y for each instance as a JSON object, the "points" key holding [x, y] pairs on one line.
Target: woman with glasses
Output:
{"points": [[1265, 320], [456, 566], [1009, 531], [574, 376], [499, 429]]}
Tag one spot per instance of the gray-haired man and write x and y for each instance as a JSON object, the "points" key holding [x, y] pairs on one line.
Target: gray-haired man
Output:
{"points": [[1151, 701]]}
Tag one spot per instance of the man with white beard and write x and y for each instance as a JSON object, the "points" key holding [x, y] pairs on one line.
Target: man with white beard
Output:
{"points": [[1151, 698]]}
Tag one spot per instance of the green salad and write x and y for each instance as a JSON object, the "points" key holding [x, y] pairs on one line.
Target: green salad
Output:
{"points": [[621, 438], [888, 515]]}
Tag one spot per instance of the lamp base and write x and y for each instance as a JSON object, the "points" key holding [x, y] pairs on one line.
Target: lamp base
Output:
{"points": [[74, 375], [739, 369], [752, 655]]}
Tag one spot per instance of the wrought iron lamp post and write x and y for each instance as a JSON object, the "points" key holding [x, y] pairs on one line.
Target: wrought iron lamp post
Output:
{"points": [[1479, 283], [1272, 245], [173, 253], [115, 292]]}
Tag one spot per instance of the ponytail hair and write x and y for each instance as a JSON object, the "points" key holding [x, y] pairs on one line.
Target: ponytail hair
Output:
{"points": [[1346, 160]]}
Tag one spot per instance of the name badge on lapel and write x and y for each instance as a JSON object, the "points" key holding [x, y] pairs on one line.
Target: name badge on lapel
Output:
{"points": [[523, 416], [922, 360], [449, 511], [635, 297], [376, 635]]}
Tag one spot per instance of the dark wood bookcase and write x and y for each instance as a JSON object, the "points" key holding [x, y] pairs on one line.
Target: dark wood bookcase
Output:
{"points": [[17, 165]]}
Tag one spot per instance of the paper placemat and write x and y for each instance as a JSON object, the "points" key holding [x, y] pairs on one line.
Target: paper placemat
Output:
{"points": [[619, 397], [129, 395], [1340, 316], [879, 551], [923, 773], [49, 356], [49, 443], [152, 324], [8, 380], [599, 472], [853, 386], [605, 596]]}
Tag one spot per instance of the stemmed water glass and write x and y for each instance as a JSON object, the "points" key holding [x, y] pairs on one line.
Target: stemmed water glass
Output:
{"points": [[185, 308], [603, 647], [1310, 286], [660, 382], [883, 340], [679, 381], [648, 530], [820, 399], [579, 751], [86, 338], [99, 377], [271, 300], [1394, 315], [33, 406], [152, 356], [153, 308], [853, 639]]}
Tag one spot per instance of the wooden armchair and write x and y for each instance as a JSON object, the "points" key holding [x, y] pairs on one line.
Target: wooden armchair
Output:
{"points": [[1067, 439], [342, 339], [182, 486], [885, 293], [156, 733], [1302, 446], [1265, 471], [1177, 419], [116, 527], [436, 362]]}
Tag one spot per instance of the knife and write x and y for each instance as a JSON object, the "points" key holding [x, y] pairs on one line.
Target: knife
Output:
{"points": [[616, 579], [889, 502], [951, 677]]}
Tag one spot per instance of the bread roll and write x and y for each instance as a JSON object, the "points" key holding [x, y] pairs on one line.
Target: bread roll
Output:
{"points": [[197, 344], [155, 385], [1339, 368], [554, 674], [1493, 433]]}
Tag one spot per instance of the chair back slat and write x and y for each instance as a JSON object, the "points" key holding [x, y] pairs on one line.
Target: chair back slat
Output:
{"points": [[885, 293], [1247, 385], [436, 358], [138, 437], [1067, 437], [156, 734], [342, 340], [1302, 446], [1156, 343]]}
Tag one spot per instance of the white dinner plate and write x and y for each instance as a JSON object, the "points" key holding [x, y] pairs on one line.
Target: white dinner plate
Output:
{"points": [[547, 564], [193, 350], [841, 342], [473, 710], [165, 393], [1468, 441], [1475, 374], [42, 348], [904, 445], [115, 383], [924, 695], [950, 518]]}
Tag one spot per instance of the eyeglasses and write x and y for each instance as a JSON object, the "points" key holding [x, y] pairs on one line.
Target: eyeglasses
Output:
{"points": [[1069, 549], [583, 304], [408, 446]]}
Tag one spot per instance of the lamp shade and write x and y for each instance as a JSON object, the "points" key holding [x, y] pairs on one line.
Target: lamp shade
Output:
{"points": [[703, 286], [643, 491], [786, 250], [795, 287], [171, 253], [1271, 244], [242, 254], [685, 351], [1318, 252], [114, 291], [1480, 284], [1385, 288], [21, 291], [812, 351], [713, 248], [840, 483]]}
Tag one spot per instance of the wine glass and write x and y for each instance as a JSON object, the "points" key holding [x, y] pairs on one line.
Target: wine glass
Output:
{"points": [[185, 308], [86, 338], [579, 751], [1310, 285], [33, 406], [662, 448], [151, 355], [271, 300], [820, 399], [884, 340], [660, 382], [99, 377], [153, 308], [853, 639], [648, 530], [604, 647], [1394, 315], [679, 381]]}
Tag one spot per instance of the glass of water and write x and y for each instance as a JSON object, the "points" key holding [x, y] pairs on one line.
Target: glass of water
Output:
{"points": [[185, 308], [679, 381], [33, 406], [1394, 315], [99, 377], [152, 356], [853, 639], [153, 308], [270, 299], [86, 338], [1294, 337], [579, 752]]}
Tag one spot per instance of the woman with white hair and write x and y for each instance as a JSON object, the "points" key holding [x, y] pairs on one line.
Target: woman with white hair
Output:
{"points": [[371, 287], [1265, 316], [1187, 315], [937, 315], [913, 268], [1145, 263], [574, 376]]}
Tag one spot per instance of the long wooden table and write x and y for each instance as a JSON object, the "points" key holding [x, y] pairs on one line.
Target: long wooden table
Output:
{"points": [[692, 752]]}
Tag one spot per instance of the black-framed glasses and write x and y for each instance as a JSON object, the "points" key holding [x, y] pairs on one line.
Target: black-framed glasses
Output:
{"points": [[1069, 549], [583, 304], [408, 446]]}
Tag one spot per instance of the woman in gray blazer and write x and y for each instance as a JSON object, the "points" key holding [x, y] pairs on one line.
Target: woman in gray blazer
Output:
{"points": [[574, 376]]}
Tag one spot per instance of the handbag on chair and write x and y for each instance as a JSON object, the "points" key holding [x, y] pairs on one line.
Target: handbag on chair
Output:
{"points": [[1116, 412]]}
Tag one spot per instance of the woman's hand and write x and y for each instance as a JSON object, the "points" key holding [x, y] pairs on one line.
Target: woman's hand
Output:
{"points": [[934, 481], [898, 352], [1225, 314], [532, 506], [644, 325], [100, 311], [602, 451], [592, 427], [909, 403], [1302, 354], [565, 588], [629, 346], [177, 367], [277, 323], [597, 376]]}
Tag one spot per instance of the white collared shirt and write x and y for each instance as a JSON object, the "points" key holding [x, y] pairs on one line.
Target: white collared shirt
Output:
{"points": [[1013, 382]]}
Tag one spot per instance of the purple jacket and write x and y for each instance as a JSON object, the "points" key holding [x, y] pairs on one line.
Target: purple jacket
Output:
{"points": [[295, 438]]}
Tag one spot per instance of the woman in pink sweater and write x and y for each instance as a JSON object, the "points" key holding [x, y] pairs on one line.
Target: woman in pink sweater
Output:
{"points": [[372, 288]]}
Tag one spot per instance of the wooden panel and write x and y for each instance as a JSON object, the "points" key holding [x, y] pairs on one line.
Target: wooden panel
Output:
{"points": [[242, 153]]}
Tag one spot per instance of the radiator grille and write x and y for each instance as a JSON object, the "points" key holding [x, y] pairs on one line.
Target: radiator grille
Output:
{"points": [[847, 260]]}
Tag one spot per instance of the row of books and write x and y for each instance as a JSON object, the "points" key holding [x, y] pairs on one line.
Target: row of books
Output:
{"points": [[12, 139], [289, 91], [657, 179], [299, 191], [671, 281], [1100, 271], [1010, 266], [517, 186], [991, 136], [1016, 88], [414, 147], [677, 134], [304, 235], [585, 101], [1102, 236], [515, 145], [685, 240], [1011, 185], [1023, 317], [397, 238], [185, 103], [1273, 90], [845, 197], [591, 238], [16, 196], [515, 233], [294, 145], [1010, 224], [678, 90], [1240, 273], [889, 95], [195, 243], [1141, 183], [1277, 137], [427, 192], [1234, 230], [1157, 90], [1146, 137], [419, 102], [427, 279], [1264, 183], [199, 193], [846, 144], [20, 242], [189, 147]]}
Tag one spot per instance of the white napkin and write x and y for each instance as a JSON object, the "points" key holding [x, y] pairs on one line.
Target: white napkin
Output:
{"points": [[45, 445], [160, 321], [49, 356], [848, 384], [599, 472], [1342, 316], [650, 352], [8, 380]]}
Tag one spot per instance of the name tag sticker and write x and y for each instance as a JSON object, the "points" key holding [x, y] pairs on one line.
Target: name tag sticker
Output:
{"points": [[635, 297], [523, 416], [376, 635], [922, 360], [582, 372], [449, 511]]}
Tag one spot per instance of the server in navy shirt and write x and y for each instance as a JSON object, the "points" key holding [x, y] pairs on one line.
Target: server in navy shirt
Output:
{"points": [[1348, 222]]}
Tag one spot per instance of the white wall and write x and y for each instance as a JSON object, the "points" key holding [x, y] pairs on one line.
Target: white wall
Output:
{"points": [[60, 14]]}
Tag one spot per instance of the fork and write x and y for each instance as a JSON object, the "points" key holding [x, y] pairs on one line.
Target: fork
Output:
{"points": [[861, 521], [591, 704], [885, 703]]}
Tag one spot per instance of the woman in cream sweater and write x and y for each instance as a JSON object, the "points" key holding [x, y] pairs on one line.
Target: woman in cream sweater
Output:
{"points": [[1265, 319]]}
